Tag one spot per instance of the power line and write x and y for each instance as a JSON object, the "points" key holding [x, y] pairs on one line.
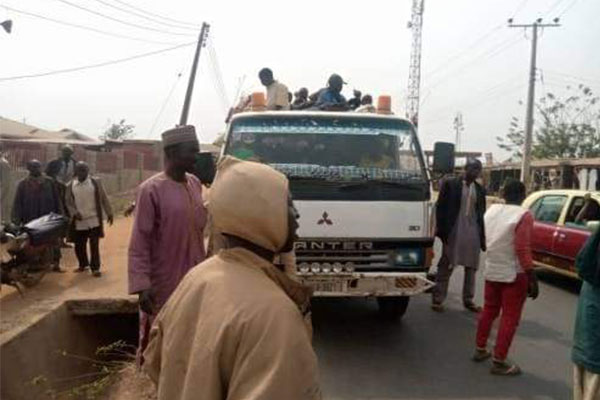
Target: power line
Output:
{"points": [[102, 64], [165, 102], [88, 28], [140, 15], [120, 20], [520, 7], [459, 54], [475, 43], [195, 25], [553, 7], [508, 85], [489, 53], [567, 8], [216, 69]]}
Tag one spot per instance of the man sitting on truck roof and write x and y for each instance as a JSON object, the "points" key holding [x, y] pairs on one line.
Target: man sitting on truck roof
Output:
{"points": [[355, 101], [366, 105], [301, 99], [332, 97], [277, 93]]}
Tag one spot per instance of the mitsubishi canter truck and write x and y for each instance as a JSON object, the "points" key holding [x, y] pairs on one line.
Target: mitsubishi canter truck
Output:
{"points": [[363, 192]]}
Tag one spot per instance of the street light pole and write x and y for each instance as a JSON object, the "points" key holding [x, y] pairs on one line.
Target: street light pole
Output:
{"points": [[526, 166], [190, 89]]}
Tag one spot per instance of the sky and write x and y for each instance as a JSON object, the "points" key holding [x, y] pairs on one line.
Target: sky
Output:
{"points": [[472, 62]]}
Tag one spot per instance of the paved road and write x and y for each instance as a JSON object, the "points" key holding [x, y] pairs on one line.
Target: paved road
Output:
{"points": [[426, 355]]}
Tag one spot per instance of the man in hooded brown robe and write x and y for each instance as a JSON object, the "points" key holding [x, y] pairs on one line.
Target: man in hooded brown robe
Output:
{"points": [[236, 326]]}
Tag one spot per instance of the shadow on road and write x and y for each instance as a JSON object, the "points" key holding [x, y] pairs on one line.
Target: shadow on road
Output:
{"points": [[425, 356], [571, 285]]}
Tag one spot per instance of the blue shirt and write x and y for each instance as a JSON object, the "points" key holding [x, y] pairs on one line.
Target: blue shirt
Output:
{"points": [[328, 97]]}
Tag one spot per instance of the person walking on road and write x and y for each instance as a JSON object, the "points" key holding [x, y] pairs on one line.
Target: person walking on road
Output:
{"points": [[460, 226], [237, 326], [168, 232], [586, 343], [509, 275], [52, 170], [277, 93], [67, 165], [5, 189], [87, 204], [36, 196]]}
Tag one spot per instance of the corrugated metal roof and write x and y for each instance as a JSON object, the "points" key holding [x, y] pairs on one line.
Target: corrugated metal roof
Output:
{"points": [[11, 130]]}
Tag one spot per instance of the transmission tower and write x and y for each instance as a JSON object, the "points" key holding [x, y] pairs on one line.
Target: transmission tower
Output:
{"points": [[459, 127], [414, 74]]}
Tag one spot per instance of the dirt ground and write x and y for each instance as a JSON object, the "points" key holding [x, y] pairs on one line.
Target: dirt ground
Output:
{"points": [[131, 385], [17, 312]]}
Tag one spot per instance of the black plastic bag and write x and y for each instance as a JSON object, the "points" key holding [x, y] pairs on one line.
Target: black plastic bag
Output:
{"points": [[46, 229]]}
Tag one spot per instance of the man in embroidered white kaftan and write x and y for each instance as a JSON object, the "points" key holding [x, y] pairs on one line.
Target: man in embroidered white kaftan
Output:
{"points": [[167, 238]]}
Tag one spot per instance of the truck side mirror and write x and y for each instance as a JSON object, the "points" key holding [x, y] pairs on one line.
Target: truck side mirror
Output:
{"points": [[205, 168], [443, 158]]}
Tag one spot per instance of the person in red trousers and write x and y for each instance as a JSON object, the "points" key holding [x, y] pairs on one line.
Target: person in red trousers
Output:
{"points": [[509, 276]]}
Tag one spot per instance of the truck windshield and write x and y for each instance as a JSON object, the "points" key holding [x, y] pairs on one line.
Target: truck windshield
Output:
{"points": [[330, 148]]}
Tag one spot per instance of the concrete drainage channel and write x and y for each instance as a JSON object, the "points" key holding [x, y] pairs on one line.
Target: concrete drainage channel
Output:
{"points": [[57, 352]]}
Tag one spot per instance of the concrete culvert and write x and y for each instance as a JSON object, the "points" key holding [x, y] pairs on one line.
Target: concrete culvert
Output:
{"points": [[81, 342]]}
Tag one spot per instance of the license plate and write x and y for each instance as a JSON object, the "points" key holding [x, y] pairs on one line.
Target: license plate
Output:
{"points": [[328, 286]]}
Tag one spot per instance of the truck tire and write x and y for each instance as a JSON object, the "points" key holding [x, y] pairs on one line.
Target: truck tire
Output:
{"points": [[393, 308]]}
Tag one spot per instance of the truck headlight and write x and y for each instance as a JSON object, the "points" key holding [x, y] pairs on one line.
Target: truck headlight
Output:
{"points": [[407, 257], [304, 268], [315, 268], [338, 268], [349, 266]]}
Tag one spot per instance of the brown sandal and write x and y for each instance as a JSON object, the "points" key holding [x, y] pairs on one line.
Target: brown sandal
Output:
{"points": [[505, 368], [473, 307]]}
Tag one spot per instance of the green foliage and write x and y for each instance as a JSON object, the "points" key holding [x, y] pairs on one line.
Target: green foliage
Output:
{"points": [[513, 143], [565, 128], [118, 131]]}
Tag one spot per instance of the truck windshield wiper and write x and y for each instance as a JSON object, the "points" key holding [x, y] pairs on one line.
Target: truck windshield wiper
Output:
{"points": [[307, 178], [403, 185]]}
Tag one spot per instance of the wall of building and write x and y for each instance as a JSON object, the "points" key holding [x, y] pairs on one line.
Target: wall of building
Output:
{"points": [[120, 171]]}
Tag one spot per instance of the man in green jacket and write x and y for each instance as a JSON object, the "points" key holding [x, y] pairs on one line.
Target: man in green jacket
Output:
{"points": [[586, 344]]}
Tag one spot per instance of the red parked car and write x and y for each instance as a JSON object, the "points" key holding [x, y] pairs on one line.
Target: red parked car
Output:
{"points": [[564, 220]]}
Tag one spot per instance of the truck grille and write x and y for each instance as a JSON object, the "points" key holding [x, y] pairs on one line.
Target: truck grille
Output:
{"points": [[363, 261]]}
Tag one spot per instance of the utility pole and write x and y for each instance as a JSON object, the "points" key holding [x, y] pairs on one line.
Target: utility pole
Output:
{"points": [[414, 73], [190, 89], [526, 166]]}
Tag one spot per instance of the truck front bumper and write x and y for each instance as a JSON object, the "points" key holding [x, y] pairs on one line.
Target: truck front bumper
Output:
{"points": [[371, 284]]}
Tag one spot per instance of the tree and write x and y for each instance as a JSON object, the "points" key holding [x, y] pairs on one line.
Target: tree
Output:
{"points": [[118, 131], [515, 138], [565, 128]]}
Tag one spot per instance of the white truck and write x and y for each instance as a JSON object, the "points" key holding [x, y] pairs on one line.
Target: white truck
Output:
{"points": [[362, 188]]}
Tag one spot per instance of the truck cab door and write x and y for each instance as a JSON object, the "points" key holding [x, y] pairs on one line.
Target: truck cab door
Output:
{"points": [[547, 211], [571, 236]]}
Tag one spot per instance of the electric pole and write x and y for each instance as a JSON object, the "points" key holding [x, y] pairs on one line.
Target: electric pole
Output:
{"points": [[190, 89], [414, 73], [526, 166]]}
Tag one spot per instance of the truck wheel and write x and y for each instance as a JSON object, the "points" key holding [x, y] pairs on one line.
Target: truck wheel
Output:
{"points": [[393, 308]]}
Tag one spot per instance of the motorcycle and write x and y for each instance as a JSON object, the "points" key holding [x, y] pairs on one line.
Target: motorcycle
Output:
{"points": [[27, 252]]}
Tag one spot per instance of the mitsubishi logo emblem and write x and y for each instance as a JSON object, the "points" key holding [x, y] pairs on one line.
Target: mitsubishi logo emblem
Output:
{"points": [[325, 220]]}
